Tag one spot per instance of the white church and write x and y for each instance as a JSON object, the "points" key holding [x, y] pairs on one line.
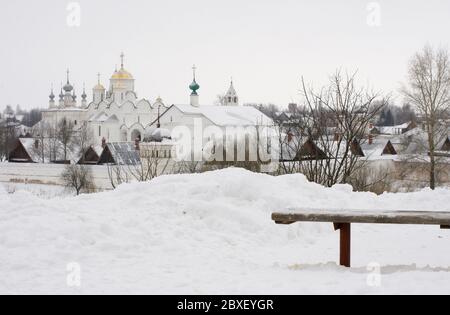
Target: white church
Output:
{"points": [[117, 115]]}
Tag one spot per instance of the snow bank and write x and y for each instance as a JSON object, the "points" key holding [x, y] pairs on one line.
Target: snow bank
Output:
{"points": [[207, 233]]}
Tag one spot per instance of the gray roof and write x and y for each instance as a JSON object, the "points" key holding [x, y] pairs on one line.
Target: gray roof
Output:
{"points": [[53, 150], [124, 153]]}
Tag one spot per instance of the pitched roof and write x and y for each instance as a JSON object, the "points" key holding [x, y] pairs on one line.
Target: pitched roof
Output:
{"points": [[121, 153], [228, 115], [53, 150], [393, 130], [381, 148], [446, 145], [103, 117]]}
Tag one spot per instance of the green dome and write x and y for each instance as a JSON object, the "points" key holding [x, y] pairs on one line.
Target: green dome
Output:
{"points": [[194, 87]]}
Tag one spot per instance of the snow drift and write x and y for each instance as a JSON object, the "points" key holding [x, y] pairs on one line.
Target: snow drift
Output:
{"points": [[211, 234]]}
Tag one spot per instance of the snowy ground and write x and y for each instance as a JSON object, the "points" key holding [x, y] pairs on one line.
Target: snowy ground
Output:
{"points": [[42, 191], [212, 234]]}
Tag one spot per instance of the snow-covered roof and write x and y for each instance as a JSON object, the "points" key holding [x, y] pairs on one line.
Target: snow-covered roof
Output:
{"points": [[374, 151], [68, 109], [394, 130], [103, 117], [159, 134], [124, 153], [51, 148], [228, 115]]}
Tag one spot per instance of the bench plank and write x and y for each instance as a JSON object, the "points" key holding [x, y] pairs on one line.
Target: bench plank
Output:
{"points": [[342, 220], [363, 216]]}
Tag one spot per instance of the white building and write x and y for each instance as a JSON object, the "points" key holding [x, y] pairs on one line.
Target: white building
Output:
{"points": [[200, 124], [115, 114]]}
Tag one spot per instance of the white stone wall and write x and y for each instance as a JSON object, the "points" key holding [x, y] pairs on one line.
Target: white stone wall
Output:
{"points": [[47, 174]]}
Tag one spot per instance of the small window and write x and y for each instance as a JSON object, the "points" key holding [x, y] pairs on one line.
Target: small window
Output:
{"points": [[75, 122], [99, 131]]}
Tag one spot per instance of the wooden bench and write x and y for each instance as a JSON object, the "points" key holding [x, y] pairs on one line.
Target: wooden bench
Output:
{"points": [[342, 221]]}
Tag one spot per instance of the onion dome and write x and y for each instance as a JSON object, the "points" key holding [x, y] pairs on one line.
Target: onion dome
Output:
{"points": [[122, 74], [61, 94], [84, 96], [52, 95], [99, 86], [68, 87], [194, 87]]}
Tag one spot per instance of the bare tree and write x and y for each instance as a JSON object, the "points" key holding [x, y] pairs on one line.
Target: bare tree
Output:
{"points": [[78, 178], [154, 162], [40, 134], [373, 179], [429, 91], [188, 167], [117, 175], [324, 139], [53, 145], [220, 100], [65, 134], [3, 143], [8, 136], [84, 139]]}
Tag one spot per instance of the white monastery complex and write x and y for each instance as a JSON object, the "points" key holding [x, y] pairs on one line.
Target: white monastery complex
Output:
{"points": [[117, 114]]}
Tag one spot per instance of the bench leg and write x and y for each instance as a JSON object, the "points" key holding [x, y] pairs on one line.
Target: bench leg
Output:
{"points": [[346, 231]]}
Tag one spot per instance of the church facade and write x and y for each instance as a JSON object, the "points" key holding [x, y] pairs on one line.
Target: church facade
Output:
{"points": [[115, 114]]}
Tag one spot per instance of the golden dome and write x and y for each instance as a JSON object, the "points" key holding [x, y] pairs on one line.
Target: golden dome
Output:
{"points": [[99, 87], [122, 74]]}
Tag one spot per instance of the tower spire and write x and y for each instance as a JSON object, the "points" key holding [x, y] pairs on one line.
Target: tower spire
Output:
{"points": [[231, 98], [98, 78], [84, 91], [159, 114], [68, 72], [122, 56], [52, 94], [194, 69], [194, 87]]}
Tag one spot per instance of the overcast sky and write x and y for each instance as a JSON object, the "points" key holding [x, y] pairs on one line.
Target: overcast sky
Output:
{"points": [[265, 45]]}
